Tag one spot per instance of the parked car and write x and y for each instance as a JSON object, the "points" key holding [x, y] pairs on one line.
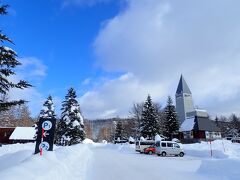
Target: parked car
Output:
{"points": [[120, 141], [0, 145], [150, 150], [229, 137], [236, 140], [164, 148], [141, 145]]}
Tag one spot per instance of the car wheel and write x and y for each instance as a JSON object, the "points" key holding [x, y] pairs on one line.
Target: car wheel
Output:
{"points": [[181, 154], [150, 152], [164, 153], [158, 154]]}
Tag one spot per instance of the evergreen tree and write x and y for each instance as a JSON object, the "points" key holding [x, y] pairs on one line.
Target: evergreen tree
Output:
{"points": [[60, 130], [171, 124], [46, 112], [48, 109], [8, 61], [234, 122], [119, 130], [149, 125], [71, 127], [217, 121]]}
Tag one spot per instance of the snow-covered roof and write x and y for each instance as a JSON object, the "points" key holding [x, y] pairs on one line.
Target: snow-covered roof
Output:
{"points": [[188, 124], [23, 133], [201, 110]]}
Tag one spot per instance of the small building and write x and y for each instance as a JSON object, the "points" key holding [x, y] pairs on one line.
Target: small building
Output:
{"points": [[23, 135], [198, 128], [5, 133]]}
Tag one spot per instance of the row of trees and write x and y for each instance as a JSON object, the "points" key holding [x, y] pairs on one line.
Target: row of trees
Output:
{"points": [[18, 115], [70, 127], [228, 125], [149, 119]]}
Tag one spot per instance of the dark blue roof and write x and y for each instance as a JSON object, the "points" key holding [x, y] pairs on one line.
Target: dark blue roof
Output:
{"points": [[205, 124], [183, 87]]}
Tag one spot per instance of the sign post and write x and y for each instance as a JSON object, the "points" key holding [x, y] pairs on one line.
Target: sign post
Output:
{"points": [[45, 137], [211, 148]]}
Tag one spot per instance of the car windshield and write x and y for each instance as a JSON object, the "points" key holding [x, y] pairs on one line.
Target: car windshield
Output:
{"points": [[176, 145]]}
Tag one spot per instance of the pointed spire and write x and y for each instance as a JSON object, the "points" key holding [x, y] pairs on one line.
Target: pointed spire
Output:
{"points": [[183, 87]]}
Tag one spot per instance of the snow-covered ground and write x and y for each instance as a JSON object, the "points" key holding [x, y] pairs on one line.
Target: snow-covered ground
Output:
{"points": [[94, 161]]}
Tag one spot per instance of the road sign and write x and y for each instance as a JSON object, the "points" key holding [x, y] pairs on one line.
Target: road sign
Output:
{"points": [[44, 146], [46, 125], [45, 137]]}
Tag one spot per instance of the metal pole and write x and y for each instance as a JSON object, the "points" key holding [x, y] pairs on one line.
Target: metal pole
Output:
{"points": [[41, 150]]}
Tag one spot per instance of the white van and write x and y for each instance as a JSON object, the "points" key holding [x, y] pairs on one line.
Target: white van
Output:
{"points": [[164, 148], [141, 145]]}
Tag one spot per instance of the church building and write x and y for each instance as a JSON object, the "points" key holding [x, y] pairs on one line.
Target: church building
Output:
{"points": [[194, 123]]}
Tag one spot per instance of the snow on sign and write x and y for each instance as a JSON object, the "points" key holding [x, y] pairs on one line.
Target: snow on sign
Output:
{"points": [[45, 135]]}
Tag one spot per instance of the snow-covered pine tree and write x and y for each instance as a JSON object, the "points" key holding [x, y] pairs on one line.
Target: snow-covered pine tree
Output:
{"points": [[234, 122], [8, 61], [171, 122], [119, 130], [46, 112], [71, 127], [48, 109], [149, 126]]}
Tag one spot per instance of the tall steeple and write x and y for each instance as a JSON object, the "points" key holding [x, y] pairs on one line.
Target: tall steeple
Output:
{"points": [[182, 86], [184, 101]]}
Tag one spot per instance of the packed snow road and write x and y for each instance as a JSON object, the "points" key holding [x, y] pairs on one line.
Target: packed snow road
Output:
{"points": [[111, 163], [114, 162]]}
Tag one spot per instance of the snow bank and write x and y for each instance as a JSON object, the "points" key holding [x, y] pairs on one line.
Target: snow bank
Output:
{"points": [[5, 149], [220, 149], [63, 163], [130, 139], [158, 138], [87, 141]]}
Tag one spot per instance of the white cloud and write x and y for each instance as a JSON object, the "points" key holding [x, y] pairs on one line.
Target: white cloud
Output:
{"points": [[155, 41], [115, 97], [32, 70], [86, 81]]}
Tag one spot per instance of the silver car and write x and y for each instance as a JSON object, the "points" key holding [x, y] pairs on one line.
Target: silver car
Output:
{"points": [[164, 148]]}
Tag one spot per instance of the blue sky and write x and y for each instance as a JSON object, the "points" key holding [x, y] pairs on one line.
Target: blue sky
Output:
{"points": [[60, 37], [115, 52]]}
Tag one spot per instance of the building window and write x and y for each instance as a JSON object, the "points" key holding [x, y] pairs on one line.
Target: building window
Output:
{"points": [[188, 134]]}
